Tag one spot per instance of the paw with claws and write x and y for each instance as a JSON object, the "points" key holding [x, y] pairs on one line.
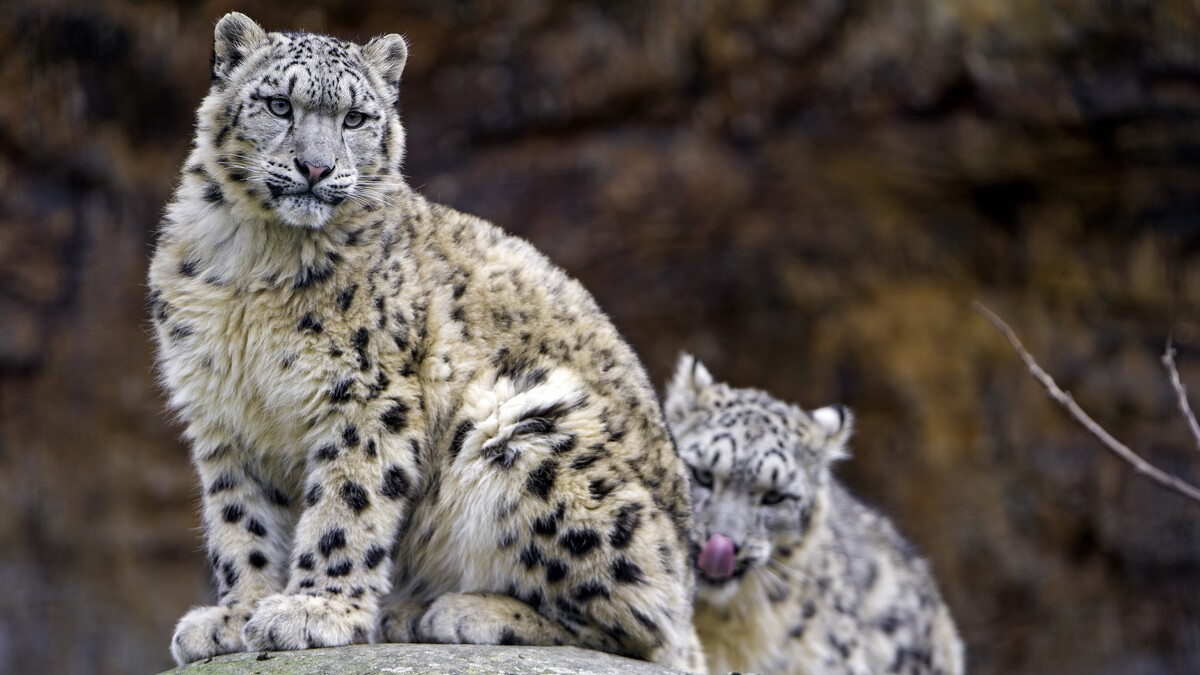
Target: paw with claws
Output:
{"points": [[484, 619], [283, 622], [209, 631], [401, 622]]}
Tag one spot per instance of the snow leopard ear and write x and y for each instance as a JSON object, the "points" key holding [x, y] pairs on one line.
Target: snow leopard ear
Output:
{"points": [[836, 423], [235, 37], [388, 54], [691, 378]]}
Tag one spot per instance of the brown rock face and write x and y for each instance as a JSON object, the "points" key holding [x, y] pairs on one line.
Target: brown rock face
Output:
{"points": [[807, 195]]}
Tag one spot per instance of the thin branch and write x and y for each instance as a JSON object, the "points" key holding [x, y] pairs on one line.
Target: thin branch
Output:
{"points": [[1064, 399], [1168, 360]]}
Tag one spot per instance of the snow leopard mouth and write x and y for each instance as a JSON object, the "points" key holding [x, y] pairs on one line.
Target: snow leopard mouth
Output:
{"points": [[714, 581], [741, 567], [304, 209], [306, 195]]}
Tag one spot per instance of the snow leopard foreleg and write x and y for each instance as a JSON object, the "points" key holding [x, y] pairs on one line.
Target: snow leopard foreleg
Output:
{"points": [[362, 475], [247, 523]]}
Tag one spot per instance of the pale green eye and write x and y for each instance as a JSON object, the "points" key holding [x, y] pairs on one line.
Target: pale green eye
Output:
{"points": [[354, 119], [280, 107]]}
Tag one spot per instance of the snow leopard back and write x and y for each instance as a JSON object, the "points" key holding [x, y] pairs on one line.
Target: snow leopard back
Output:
{"points": [[794, 575]]}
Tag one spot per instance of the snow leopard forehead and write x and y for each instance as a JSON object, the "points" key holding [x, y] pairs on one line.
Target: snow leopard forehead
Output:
{"points": [[748, 431], [745, 433], [317, 72]]}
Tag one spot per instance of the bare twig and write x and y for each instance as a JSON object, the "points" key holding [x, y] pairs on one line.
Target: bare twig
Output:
{"points": [[1168, 360], [1064, 399]]}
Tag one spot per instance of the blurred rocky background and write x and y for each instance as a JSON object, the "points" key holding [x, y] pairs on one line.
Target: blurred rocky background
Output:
{"points": [[807, 194]]}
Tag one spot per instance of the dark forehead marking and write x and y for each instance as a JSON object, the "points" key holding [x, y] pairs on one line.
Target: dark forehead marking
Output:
{"points": [[756, 435], [324, 70], [711, 449], [306, 48], [761, 459], [775, 452]]}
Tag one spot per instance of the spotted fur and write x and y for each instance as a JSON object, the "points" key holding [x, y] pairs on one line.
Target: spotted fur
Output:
{"points": [[819, 583], [407, 424]]}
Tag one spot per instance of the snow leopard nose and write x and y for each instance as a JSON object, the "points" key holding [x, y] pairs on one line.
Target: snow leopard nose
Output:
{"points": [[313, 172]]}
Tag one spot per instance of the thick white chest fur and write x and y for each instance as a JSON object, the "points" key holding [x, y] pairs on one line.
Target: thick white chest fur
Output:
{"points": [[227, 376]]}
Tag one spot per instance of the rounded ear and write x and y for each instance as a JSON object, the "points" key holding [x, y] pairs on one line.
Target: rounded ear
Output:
{"points": [[387, 54], [838, 424], [684, 389], [235, 37]]}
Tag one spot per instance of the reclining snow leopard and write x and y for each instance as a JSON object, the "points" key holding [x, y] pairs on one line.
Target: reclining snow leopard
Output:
{"points": [[384, 394], [794, 574]]}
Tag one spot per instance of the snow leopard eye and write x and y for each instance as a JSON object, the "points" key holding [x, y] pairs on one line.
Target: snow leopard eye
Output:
{"points": [[280, 107], [772, 497], [703, 476], [354, 119]]}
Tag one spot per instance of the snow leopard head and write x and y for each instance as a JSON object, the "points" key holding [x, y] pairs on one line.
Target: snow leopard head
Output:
{"points": [[296, 124], [760, 473]]}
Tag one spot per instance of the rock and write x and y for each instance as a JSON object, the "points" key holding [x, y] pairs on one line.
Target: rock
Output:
{"points": [[417, 658]]}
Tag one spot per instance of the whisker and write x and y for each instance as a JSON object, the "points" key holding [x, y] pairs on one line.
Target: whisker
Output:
{"points": [[772, 574], [780, 563]]}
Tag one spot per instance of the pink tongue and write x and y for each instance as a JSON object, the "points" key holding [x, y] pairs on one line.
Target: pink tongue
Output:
{"points": [[716, 558]]}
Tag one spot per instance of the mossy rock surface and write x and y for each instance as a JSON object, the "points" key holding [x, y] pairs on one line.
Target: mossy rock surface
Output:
{"points": [[417, 659]]}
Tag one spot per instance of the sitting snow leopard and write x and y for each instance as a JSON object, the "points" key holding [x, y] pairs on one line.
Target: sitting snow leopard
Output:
{"points": [[385, 395], [794, 574]]}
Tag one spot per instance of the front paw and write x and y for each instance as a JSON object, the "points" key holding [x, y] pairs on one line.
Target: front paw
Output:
{"points": [[284, 622], [401, 622], [462, 618], [208, 631]]}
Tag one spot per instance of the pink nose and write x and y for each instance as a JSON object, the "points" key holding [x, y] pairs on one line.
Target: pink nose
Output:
{"points": [[716, 558], [313, 172]]}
